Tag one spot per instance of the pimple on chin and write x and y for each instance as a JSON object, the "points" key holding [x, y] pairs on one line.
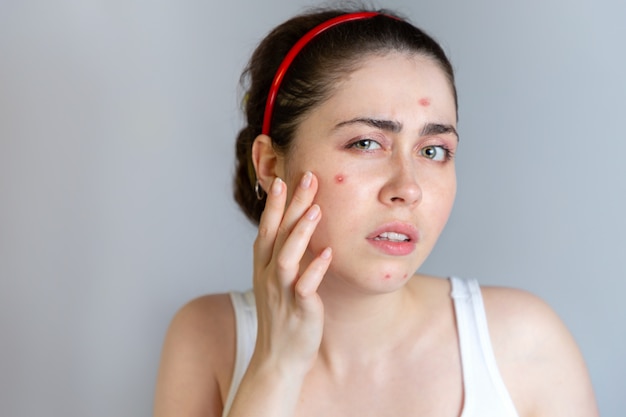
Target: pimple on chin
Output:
{"points": [[339, 178], [424, 101], [387, 276]]}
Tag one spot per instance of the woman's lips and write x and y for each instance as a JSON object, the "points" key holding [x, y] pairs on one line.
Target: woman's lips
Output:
{"points": [[396, 238]]}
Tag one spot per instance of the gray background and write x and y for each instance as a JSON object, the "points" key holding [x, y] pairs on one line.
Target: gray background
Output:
{"points": [[117, 123]]}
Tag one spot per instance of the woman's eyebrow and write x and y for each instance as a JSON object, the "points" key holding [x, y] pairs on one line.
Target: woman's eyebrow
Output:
{"points": [[438, 129], [395, 127], [388, 125]]}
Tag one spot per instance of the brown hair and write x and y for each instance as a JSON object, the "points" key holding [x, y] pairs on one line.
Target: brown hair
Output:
{"points": [[311, 77]]}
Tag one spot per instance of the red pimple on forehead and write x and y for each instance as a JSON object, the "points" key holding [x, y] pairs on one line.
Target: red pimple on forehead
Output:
{"points": [[424, 101], [339, 178]]}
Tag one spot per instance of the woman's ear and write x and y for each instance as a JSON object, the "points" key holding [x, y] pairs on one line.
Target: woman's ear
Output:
{"points": [[265, 160]]}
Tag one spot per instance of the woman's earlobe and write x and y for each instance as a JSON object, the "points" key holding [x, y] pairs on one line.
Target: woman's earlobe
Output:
{"points": [[264, 159]]}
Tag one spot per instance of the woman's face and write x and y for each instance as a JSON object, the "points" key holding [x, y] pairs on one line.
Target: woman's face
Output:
{"points": [[382, 149]]}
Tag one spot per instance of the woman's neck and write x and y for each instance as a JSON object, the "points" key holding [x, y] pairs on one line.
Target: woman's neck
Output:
{"points": [[361, 327]]}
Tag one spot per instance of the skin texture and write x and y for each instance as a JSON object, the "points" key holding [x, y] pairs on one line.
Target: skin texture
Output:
{"points": [[345, 328]]}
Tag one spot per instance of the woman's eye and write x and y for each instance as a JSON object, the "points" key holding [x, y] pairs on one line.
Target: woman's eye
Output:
{"points": [[435, 153], [365, 145]]}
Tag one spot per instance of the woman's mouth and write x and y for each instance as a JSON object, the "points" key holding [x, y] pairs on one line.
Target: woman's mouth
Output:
{"points": [[395, 239]]}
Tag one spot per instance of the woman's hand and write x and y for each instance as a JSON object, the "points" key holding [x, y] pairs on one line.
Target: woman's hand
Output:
{"points": [[290, 312]]}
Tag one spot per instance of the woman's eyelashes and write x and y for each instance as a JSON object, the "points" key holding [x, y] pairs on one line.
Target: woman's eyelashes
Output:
{"points": [[438, 153], [365, 145]]}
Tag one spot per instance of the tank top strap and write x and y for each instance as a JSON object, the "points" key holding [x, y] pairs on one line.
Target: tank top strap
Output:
{"points": [[485, 394], [245, 331]]}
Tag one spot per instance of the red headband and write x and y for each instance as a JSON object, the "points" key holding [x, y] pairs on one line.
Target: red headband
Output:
{"points": [[293, 52]]}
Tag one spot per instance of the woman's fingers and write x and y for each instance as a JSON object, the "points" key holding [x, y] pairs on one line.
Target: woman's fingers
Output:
{"points": [[290, 312], [300, 202], [310, 280], [284, 234], [276, 223], [290, 253], [270, 221]]}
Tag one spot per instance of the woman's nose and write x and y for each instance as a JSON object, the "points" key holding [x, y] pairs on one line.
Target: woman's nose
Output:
{"points": [[402, 187]]}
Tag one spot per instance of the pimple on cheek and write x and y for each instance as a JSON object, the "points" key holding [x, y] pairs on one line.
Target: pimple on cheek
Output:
{"points": [[387, 276], [425, 101], [340, 179]]}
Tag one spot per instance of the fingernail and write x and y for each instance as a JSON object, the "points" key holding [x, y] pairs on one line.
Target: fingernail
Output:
{"points": [[306, 180], [277, 186], [313, 212], [326, 253]]}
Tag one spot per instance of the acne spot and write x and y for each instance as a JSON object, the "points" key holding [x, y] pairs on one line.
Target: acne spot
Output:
{"points": [[425, 102], [339, 178], [405, 276], [387, 276]]}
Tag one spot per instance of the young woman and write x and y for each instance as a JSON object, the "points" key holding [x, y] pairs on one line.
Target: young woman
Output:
{"points": [[347, 166]]}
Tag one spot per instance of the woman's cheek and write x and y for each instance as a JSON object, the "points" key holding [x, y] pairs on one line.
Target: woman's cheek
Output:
{"points": [[340, 179], [329, 198]]}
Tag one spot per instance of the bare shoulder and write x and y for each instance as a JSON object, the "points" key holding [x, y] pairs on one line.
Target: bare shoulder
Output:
{"points": [[519, 314], [197, 358], [537, 356], [204, 317]]}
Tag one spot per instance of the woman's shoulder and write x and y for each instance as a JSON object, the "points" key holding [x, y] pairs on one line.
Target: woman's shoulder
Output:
{"points": [[523, 323], [209, 308], [197, 357], [537, 355], [198, 321], [512, 309], [205, 325]]}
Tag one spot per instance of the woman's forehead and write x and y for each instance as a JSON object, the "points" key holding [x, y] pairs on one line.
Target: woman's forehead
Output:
{"points": [[390, 84]]}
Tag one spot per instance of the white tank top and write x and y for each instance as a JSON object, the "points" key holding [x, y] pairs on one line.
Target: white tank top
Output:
{"points": [[485, 394]]}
